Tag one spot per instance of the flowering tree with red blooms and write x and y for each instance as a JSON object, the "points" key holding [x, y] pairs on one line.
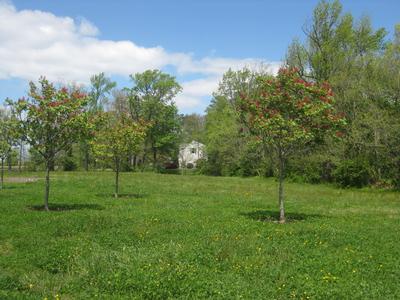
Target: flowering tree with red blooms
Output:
{"points": [[289, 114], [50, 120]]}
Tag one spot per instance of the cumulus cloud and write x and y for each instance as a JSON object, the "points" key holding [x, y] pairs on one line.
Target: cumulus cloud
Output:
{"points": [[219, 65], [195, 93], [35, 43]]}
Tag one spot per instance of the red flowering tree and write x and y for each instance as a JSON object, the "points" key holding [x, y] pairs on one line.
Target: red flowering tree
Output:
{"points": [[50, 120], [289, 114]]}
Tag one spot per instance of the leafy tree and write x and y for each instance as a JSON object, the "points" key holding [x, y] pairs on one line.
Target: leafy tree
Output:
{"points": [[230, 149], [193, 126], [117, 137], [289, 114], [151, 99], [223, 140], [101, 87], [51, 119], [8, 138], [346, 52]]}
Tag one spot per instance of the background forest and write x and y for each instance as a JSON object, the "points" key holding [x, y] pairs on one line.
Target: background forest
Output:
{"points": [[362, 64]]}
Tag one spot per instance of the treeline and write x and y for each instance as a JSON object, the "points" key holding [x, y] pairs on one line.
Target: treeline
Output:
{"points": [[150, 99], [363, 67]]}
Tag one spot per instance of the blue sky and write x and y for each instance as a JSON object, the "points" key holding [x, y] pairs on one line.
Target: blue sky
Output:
{"points": [[194, 40]]}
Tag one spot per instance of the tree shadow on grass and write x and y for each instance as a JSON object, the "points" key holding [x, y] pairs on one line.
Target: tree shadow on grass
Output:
{"points": [[273, 216], [122, 196], [66, 207]]}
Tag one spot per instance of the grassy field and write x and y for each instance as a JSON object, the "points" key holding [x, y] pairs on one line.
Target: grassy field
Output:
{"points": [[191, 237]]}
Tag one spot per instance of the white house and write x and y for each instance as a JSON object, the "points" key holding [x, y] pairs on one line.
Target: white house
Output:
{"points": [[190, 153]]}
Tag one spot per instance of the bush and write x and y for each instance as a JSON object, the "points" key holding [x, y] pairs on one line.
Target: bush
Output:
{"points": [[314, 168], [69, 164], [353, 173], [249, 161]]}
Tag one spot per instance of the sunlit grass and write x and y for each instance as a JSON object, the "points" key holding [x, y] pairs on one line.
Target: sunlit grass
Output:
{"points": [[196, 237]]}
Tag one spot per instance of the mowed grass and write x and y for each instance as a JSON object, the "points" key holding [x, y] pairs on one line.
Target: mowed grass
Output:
{"points": [[189, 237]]}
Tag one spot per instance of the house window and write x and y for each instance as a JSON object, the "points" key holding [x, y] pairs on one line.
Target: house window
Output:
{"points": [[193, 150]]}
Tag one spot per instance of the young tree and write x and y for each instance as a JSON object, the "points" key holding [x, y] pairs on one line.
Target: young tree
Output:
{"points": [[50, 120], [289, 114], [117, 137], [8, 137], [4, 151]]}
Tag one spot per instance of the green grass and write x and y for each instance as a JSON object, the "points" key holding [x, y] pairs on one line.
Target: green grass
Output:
{"points": [[196, 237]]}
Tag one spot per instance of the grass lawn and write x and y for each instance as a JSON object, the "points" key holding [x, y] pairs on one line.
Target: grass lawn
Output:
{"points": [[174, 236]]}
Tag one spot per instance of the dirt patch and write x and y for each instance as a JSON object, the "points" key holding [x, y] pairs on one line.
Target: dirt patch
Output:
{"points": [[20, 179]]}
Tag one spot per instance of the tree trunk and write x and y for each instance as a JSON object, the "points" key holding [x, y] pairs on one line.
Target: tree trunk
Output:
{"points": [[282, 218], [86, 163], [154, 159], [20, 157], [116, 180], [134, 162], [144, 157], [9, 161], [47, 188], [2, 174], [51, 166]]}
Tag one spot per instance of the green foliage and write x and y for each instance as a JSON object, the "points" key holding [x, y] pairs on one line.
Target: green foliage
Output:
{"points": [[193, 128], [311, 168], [362, 67], [353, 173], [151, 99], [222, 138], [8, 133], [117, 136], [51, 119], [101, 87], [69, 164], [196, 237]]}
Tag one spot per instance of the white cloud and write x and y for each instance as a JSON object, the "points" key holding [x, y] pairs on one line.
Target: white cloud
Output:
{"points": [[219, 65], [35, 43], [87, 28], [195, 93]]}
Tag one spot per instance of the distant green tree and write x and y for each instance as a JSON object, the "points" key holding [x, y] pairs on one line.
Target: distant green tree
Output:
{"points": [[223, 140], [230, 149], [151, 99], [100, 88], [193, 126]]}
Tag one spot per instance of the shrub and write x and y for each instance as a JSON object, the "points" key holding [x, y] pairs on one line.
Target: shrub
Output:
{"points": [[353, 173], [69, 164], [314, 168]]}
